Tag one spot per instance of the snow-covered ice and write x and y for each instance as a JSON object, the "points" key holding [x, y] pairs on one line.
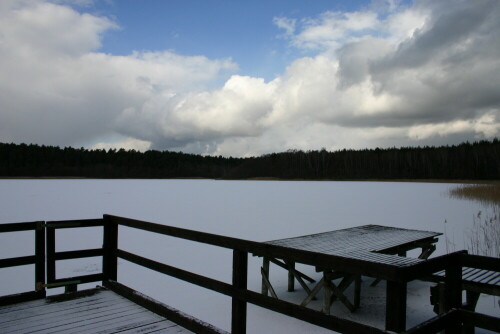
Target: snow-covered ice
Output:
{"points": [[255, 210]]}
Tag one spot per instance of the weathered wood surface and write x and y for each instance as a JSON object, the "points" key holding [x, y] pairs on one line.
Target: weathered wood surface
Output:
{"points": [[102, 312], [476, 280], [362, 242]]}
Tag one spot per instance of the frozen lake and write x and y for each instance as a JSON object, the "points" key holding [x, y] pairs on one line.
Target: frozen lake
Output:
{"points": [[255, 210]]}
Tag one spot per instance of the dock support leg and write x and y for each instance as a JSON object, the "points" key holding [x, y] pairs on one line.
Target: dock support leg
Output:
{"points": [[265, 271], [357, 291], [327, 294], [395, 315], [291, 276]]}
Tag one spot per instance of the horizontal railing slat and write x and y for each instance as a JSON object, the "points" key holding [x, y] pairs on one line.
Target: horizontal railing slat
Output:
{"points": [[17, 261], [481, 262], [78, 254], [206, 282], [436, 324], [480, 320], [80, 279]]}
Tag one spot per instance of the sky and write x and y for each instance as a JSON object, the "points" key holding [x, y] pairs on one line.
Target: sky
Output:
{"points": [[246, 78]]}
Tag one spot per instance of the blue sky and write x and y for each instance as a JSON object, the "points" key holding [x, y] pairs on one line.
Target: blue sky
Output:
{"points": [[241, 30], [249, 78]]}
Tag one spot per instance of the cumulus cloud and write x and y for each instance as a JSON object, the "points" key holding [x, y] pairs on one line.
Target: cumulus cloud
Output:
{"points": [[389, 75]]}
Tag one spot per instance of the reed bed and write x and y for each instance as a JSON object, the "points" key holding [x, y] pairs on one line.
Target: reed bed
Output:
{"points": [[484, 236]]}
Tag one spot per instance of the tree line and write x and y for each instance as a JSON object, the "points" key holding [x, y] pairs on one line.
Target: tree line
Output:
{"points": [[474, 161]]}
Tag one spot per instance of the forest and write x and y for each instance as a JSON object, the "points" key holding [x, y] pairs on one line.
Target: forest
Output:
{"points": [[467, 161]]}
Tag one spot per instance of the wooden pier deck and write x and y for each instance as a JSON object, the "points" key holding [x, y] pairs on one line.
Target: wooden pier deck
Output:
{"points": [[19, 312], [92, 311]]}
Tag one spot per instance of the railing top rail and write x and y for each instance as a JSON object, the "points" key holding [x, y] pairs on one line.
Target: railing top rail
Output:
{"points": [[481, 262], [17, 227], [75, 223]]}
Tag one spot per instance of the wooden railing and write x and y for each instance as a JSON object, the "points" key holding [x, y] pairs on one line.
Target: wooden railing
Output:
{"points": [[38, 259], [397, 278]]}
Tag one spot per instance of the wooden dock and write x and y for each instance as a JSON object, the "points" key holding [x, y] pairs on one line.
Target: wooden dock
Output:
{"points": [[97, 311], [454, 318]]}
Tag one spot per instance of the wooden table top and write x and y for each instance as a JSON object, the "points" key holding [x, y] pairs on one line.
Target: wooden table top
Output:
{"points": [[366, 242]]}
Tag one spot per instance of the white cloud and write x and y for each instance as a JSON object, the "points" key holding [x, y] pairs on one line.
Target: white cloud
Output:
{"points": [[286, 24], [124, 143], [407, 76]]}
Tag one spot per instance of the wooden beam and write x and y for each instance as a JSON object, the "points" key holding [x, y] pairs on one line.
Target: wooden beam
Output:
{"points": [[265, 272], [291, 275], [395, 315], [110, 248], [265, 281], [313, 293], [51, 250], [298, 273], [239, 307], [40, 259]]}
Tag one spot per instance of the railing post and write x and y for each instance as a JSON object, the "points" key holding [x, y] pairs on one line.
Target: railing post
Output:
{"points": [[51, 250], [40, 259], [110, 246], [453, 290], [395, 314], [239, 307]]}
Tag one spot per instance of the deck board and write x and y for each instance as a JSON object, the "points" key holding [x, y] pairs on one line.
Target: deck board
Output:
{"points": [[104, 312]]}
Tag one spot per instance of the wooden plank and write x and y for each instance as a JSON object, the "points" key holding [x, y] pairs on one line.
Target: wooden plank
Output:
{"points": [[313, 293], [239, 307], [17, 227], [395, 315], [78, 254], [121, 317], [120, 325], [48, 314], [480, 320], [164, 326], [17, 261], [64, 322], [110, 247], [98, 311], [436, 324], [291, 276], [48, 304], [75, 223], [40, 259], [81, 279], [481, 262], [269, 287], [51, 249], [163, 310], [284, 266], [265, 275]]}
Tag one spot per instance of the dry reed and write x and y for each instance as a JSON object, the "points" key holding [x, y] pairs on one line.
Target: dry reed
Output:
{"points": [[484, 236]]}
